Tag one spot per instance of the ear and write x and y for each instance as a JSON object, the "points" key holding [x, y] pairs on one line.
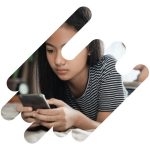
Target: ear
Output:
{"points": [[89, 53]]}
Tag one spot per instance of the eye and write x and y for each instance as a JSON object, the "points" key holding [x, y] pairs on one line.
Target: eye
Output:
{"points": [[50, 50]]}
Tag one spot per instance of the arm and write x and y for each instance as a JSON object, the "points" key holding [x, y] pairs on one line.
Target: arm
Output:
{"points": [[64, 117], [83, 122], [102, 116]]}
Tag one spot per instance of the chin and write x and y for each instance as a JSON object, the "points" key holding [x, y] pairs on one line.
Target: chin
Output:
{"points": [[63, 78]]}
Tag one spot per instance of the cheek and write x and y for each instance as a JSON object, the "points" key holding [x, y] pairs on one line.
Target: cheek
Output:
{"points": [[50, 60], [80, 62], [83, 58]]}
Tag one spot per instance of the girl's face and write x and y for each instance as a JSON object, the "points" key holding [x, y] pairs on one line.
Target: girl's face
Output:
{"points": [[65, 69]]}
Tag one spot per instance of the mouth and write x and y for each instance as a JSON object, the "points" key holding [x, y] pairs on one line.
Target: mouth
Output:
{"points": [[61, 71]]}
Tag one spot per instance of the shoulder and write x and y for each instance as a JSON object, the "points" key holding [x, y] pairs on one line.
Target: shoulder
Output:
{"points": [[104, 67], [107, 61]]}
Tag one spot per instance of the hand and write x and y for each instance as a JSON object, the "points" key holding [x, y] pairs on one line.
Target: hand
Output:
{"points": [[61, 118], [26, 113], [143, 72]]}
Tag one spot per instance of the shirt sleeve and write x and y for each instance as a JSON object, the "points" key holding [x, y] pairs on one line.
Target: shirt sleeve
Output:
{"points": [[111, 92]]}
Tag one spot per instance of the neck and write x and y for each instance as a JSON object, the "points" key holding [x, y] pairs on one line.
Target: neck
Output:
{"points": [[78, 84]]}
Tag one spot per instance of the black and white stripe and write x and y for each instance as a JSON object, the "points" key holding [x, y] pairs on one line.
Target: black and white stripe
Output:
{"points": [[104, 92]]}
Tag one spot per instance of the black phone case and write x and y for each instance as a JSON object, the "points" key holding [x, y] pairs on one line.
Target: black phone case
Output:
{"points": [[36, 101]]}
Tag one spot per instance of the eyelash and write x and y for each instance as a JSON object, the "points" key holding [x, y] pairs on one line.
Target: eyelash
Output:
{"points": [[50, 51]]}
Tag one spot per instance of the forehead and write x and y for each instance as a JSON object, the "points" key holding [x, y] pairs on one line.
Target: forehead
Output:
{"points": [[62, 35]]}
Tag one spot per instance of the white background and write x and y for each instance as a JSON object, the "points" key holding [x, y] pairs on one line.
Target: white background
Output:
{"points": [[25, 25]]}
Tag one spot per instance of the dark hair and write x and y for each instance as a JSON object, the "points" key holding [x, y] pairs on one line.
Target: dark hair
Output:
{"points": [[79, 18], [49, 83]]}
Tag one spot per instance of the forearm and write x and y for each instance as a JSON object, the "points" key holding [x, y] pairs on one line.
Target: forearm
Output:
{"points": [[85, 123]]}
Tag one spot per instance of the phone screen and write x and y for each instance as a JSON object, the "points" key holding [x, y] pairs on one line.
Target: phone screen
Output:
{"points": [[36, 101]]}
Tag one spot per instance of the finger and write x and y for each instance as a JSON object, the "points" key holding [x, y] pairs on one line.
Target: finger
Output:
{"points": [[50, 124], [57, 126], [29, 120], [35, 124], [51, 112], [28, 114], [47, 118], [56, 102], [20, 108]]}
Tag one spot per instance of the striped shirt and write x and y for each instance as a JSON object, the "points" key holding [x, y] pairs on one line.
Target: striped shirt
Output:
{"points": [[104, 91]]}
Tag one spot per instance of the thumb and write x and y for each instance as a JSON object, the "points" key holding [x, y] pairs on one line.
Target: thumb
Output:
{"points": [[56, 102]]}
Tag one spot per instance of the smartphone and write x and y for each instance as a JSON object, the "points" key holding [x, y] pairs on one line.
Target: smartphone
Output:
{"points": [[36, 101]]}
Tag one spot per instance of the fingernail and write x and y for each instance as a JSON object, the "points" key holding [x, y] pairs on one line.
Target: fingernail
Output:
{"points": [[33, 114]]}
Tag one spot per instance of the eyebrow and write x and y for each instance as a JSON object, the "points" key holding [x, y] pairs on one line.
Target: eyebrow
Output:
{"points": [[49, 44]]}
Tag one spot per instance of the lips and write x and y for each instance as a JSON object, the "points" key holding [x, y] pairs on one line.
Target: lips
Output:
{"points": [[61, 71]]}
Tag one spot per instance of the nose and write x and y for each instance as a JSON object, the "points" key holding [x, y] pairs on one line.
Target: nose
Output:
{"points": [[59, 60]]}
